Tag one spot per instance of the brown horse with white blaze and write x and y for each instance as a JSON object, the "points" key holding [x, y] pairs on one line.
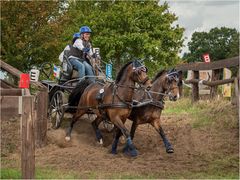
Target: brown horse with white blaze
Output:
{"points": [[117, 100]]}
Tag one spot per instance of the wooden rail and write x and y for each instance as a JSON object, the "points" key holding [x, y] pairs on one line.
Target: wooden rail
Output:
{"points": [[11, 92], [15, 72], [210, 83], [216, 68], [226, 63]]}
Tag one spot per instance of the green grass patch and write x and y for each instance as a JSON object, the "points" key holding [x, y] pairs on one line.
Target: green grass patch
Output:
{"points": [[10, 173], [219, 169], [204, 113], [182, 106], [222, 168]]}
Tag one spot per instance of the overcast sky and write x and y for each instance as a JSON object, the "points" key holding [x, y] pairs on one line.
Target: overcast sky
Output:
{"points": [[202, 15]]}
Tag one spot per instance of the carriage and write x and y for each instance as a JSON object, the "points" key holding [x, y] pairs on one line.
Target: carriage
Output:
{"points": [[67, 79], [118, 104]]}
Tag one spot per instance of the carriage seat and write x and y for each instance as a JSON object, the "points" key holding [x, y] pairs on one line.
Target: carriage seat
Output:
{"points": [[68, 71]]}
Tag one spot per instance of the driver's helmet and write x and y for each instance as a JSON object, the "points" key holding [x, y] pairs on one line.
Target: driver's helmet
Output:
{"points": [[76, 35], [85, 29]]}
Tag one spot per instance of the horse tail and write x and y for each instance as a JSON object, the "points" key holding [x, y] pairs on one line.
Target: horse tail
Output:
{"points": [[77, 92]]}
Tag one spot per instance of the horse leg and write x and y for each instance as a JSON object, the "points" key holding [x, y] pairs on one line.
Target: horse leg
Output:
{"points": [[129, 147], [95, 125], [115, 141], [73, 121], [133, 129], [167, 144]]}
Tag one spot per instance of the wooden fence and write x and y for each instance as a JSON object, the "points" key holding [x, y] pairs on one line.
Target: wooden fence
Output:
{"points": [[32, 111], [216, 67]]}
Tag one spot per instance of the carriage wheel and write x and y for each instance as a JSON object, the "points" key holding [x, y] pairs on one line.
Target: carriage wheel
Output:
{"points": [[56, 110]]}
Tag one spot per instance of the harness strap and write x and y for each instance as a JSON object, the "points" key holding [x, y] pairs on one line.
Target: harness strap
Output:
{"points": [[144, 81], [102, 106]]}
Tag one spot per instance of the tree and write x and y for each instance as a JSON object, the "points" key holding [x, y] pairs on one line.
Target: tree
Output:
{"points": [[127, 30], [220, 43], [30, 32], [35, 32]]}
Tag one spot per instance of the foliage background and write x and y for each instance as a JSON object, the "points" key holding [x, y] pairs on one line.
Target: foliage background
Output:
{"points": [[33, 32]]}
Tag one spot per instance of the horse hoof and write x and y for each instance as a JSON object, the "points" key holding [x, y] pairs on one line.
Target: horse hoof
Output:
{"points": [[133, 153], [128, 152], [67, 138], [101, 142], [114, 152], [170, 150], [125, 149]]}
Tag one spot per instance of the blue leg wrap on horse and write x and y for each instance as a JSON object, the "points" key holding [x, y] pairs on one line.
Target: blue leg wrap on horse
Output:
{"points": [[129, 148], [165, 140], [114, 146], [98, 134], [129, 141], [167, 144]]}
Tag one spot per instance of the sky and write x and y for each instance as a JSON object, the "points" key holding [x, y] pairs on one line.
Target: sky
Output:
{"points": [[203, 15]]}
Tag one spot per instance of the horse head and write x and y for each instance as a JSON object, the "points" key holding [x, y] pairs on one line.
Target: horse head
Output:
{"points": [[171, 84], [167, 82], [139, 74]]}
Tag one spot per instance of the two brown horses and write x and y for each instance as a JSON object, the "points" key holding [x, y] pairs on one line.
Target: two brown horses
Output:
{"points": [[165, 83], [117, 100]]}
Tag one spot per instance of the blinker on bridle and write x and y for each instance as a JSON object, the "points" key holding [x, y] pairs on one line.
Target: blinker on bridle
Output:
{"points": [[138, 66], [173, 76]]}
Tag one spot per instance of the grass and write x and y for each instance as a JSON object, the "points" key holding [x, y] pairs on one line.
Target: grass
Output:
{"points": [[11, 173], [204, 112], [225, 168], [180, 107], [220, 168]]}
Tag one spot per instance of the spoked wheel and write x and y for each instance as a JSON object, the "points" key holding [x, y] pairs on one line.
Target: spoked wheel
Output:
{"points": [[56, 110]]}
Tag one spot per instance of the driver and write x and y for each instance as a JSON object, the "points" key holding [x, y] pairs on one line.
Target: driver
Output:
{"points": [[78, 54]]}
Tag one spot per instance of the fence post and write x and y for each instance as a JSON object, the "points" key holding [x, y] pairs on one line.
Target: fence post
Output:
{"points": [[236, 89], [195, 88], [180, 85], [215, 76], [40, 123], [26, 106]]}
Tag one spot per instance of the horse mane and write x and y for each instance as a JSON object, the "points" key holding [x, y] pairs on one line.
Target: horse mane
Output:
{"points": [[160, 73], [120, 73]]}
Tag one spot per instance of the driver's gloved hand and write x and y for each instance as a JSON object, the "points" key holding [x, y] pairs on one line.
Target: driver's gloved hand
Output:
{"points": [[86, 50], [96, 56]]}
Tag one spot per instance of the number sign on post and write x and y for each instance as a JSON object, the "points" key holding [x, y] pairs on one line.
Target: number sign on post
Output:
{"points": [[206, 58], [109, 71], [24, 81]]}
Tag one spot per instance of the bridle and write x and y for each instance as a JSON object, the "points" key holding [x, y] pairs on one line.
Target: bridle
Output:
{"points": [[138, 70], [170, 77]]}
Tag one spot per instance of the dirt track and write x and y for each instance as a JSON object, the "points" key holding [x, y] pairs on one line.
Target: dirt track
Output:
{"points": [[196, 151]]}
